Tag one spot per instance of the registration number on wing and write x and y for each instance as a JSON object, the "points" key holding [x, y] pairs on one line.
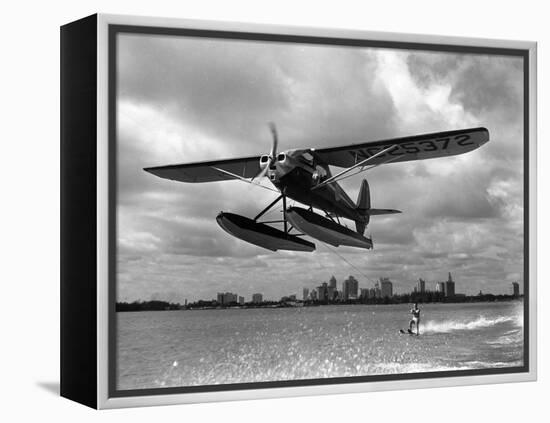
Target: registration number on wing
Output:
{"points": [[415, 147]]}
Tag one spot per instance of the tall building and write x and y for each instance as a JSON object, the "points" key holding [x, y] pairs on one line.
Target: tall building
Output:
{"points": [[515, 288], [377, 290], [350, 288], [450, 287], [440, 287], [257, 298], [322, 292], [354, 287], [386, 287], [421, 287], [372, 293], [241, 300], [305, 294], [313, 295], [332, 282], [229, 298], [331, 293], [226, 298]]}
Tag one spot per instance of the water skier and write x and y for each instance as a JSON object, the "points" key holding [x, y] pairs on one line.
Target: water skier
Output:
{"points": [[415, 311]]}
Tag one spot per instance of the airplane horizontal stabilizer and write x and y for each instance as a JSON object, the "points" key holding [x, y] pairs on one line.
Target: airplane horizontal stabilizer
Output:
{"points": [[378, 212]]}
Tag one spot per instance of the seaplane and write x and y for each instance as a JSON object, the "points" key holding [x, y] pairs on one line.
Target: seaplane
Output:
{"points": [[304, 175]]}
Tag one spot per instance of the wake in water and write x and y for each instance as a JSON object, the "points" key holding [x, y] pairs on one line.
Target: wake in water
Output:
{"points": [[479, 323]]}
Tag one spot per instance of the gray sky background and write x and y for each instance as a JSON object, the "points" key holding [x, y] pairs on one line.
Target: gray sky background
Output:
{"points": [[186, 99]]}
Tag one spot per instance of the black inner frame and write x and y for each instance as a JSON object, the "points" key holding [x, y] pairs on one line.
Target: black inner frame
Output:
{"points": [[114, 30]]}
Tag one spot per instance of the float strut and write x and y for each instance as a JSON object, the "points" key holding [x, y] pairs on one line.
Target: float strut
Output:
{"points": [[284, 212], [264, 211]]}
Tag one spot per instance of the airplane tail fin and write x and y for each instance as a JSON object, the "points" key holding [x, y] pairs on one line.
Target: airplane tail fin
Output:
{"points": [[363, 200], [364, 208]]}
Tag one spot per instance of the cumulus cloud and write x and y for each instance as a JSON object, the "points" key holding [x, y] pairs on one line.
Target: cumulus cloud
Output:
{"points": [[183, 99]]}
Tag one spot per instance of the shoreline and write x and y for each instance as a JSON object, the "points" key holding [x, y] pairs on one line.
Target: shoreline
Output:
{"points": [[213, 305]]}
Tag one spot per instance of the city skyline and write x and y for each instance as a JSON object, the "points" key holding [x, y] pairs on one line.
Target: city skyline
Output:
{"points": [[398, 288], [374, 290], [461, 214]]}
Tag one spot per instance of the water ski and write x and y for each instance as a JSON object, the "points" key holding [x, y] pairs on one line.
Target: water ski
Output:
{"points": [[408, 331]]}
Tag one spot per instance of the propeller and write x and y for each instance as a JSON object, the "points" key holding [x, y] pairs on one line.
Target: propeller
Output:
{"points": [[273, 153], [273, 130]]}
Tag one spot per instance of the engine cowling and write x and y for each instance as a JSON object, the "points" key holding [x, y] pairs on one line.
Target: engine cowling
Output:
{"points": [[264, 161]]}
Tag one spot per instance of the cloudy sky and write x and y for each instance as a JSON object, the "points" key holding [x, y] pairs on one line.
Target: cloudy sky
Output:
{"points": [[183, 99]]}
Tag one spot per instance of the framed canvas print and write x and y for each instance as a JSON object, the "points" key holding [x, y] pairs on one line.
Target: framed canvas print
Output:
{"points": [[254, 211]]}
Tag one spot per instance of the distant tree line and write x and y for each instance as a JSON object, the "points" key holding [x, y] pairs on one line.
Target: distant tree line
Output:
{"points": [[154, 305], [200, 304]]}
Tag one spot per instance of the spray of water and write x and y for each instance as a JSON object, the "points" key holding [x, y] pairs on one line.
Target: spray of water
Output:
{"points": [[480, 322]]}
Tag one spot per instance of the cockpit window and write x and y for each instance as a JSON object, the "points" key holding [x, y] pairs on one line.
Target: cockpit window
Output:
{"points": [[319, 174], [322, 171]]}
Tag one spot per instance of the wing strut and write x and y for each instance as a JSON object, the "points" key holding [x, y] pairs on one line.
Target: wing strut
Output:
{"points": [[362, 163], [391, 159], [240, 178]]}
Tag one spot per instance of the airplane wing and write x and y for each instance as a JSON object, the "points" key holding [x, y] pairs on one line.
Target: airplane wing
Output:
{"points": [[217, 170], [417, 147]]}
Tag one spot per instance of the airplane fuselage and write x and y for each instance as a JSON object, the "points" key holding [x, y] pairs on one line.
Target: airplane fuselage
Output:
{"points": [[298, 182]]}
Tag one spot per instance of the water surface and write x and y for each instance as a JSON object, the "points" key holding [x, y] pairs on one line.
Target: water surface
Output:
{"points": [[205, 347]]}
